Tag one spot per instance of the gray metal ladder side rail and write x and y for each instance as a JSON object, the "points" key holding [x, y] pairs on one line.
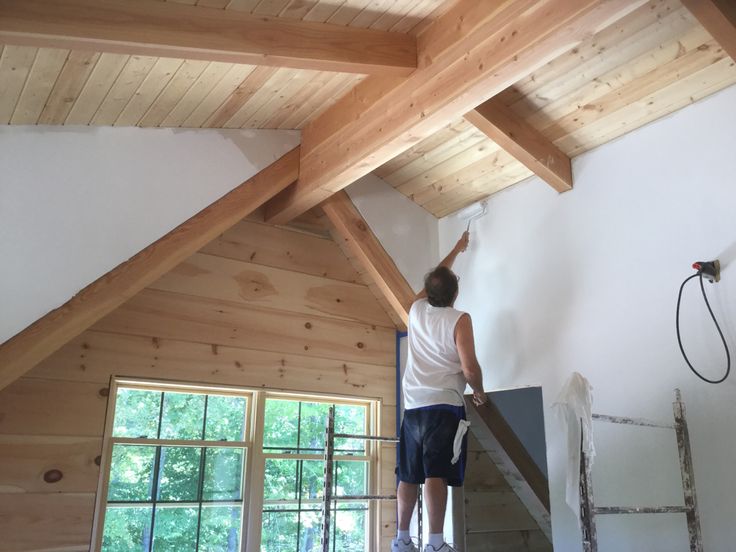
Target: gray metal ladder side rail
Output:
{"points": [[328, 498], [588, 510]]}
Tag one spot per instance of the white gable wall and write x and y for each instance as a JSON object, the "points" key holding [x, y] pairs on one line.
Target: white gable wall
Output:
{"points": [[77, 201], [587, 281]]}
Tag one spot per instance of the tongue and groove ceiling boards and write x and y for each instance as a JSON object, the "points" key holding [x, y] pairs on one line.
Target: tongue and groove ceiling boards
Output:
{"points": [[649, 64], [619, 76]]}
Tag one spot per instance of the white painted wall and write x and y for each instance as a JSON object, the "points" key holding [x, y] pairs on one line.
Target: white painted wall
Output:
{"points": [[76, 202], [587, 281], [408, 233]]}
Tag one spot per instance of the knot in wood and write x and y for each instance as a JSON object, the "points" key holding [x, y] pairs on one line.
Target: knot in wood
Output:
{"points": [[53, 476]]}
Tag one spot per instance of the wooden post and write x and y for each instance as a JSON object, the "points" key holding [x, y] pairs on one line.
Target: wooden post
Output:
{"points": [[587, 515], [688, 475]]}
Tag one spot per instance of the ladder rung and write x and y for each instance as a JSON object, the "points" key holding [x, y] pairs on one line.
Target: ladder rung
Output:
{"points": [[642, 510], [364, 497], [366, 437], [631, 421]]}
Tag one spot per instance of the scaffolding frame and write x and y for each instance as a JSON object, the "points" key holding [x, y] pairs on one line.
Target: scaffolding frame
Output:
{"points": [[328, 498], [588, 510]]}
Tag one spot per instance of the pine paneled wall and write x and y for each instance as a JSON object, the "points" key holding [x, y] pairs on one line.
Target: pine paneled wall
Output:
{"points": [[261, 306]]}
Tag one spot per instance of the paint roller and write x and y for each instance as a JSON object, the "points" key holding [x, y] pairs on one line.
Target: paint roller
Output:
{"points": [[473, 212]]}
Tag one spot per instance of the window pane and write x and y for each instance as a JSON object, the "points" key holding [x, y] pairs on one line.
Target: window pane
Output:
{"points": [[225, 418], [350, 419], [310, 535], [313, 423], [175, 529], [279, 532], [136, 413], [220, 528], [280, 423], [131, 473], [313, 479], [350, 478], [350, 529], [126, 528], [281, 479], [223, 474], [179, 473], [183, 416]]}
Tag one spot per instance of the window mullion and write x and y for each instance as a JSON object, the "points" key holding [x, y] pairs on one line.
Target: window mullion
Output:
{"points": [[156, 470], [200, 483]]}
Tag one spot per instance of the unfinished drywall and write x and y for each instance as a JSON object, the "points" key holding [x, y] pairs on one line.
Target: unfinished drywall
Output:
{"points": [[407, 232], [587, 281], [77, 201]]}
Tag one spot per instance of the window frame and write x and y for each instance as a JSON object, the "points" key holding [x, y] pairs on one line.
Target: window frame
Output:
{"points": [[255, 457], [368, 458]]}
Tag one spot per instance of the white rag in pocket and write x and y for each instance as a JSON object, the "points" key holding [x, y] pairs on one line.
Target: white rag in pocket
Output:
{"points": [[457, 446]]}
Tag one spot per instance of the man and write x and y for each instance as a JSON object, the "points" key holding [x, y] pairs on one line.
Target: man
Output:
{"points": [[441, 361]]}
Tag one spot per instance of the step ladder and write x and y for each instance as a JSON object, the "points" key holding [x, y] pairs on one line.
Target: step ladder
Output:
{"points": [[329, 498], [588, 510]]}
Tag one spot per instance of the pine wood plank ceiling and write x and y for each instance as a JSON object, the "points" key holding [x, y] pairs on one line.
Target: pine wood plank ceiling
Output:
{"points": [[651, 63]]}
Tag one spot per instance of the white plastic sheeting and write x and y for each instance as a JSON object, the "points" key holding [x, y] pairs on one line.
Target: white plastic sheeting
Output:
{"points": [[574, 406]]}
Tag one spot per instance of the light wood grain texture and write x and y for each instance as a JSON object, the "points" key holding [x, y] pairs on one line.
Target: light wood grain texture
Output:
{"points": [[467, 56], [36, 342], [524, 142], [266, 245], [173, 30], [24, 459], [15, 64], [251, 284], [96, 88], [45, 522], [46, 407], [189, 318], [719, 19], [361, 240], [68, 86], [40, 81], [95, 356]]}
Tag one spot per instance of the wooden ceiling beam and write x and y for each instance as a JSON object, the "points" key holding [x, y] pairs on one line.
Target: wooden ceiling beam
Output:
{"points": [[529, 146], [719, 19], [363, 243], [32, 345], [467, 56], [170, 29]]}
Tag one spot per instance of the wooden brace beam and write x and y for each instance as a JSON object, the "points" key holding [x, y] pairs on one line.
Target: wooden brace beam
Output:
{"points": [[497, 121], [23, 351], [467, 56], [170, 29], [719, 19], [364, 244]]}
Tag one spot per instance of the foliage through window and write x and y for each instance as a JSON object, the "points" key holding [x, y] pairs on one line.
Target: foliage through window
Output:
{"points": [[176, 462], [176, 472], [293, 446]]}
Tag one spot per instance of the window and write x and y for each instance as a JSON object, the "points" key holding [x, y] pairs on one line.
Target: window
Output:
{"points": [[177, 459], [293, 447], [176, 464]]}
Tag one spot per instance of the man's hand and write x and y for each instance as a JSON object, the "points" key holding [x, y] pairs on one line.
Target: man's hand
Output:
{"points": [[462, 243], [479, 398]]}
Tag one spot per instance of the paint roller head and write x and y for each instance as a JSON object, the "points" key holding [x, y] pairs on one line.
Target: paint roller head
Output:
{"points": [[473, 212]]}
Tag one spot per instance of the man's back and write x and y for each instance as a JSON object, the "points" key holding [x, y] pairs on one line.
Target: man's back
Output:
{"points": [[433, 371]]}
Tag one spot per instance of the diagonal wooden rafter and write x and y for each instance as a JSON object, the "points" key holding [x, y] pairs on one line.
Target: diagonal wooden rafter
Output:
{"points": [[170, 29], [23, 351], [467, 56], [364, 245], [719, 19], [529, 146]]}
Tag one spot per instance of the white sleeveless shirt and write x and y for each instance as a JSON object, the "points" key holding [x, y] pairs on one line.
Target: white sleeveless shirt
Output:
{"points": [[433, 372]]}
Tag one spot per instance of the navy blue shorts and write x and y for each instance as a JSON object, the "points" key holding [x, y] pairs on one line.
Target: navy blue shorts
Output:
{"points": [[426, 445]]}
